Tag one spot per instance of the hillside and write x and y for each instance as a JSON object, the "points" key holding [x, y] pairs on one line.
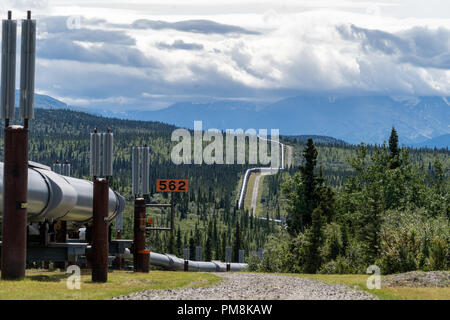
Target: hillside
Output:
{"points": [[352, 119], [438, 142], [208, 211]]}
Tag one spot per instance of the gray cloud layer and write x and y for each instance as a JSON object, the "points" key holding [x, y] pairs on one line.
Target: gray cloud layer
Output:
{"points": [[180, 45], [418, 46], [194, 26], [115, 66]]}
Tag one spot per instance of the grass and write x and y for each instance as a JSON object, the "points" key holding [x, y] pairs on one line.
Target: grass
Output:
{"points": [[259, 205], [51, 285], [249, 193], [358, 281]]}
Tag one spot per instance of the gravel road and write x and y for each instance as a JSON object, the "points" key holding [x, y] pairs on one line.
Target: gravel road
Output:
{"points": [[241, 286], [255, 191]]}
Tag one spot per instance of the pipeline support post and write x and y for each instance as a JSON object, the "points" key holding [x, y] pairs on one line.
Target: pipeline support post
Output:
{"points": [[100, 230], [60, 237], [15, 188], [141, 262], [118, 259]]}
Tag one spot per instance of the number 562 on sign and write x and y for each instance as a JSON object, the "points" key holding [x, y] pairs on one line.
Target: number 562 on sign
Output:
{"points": [[172, 185]]}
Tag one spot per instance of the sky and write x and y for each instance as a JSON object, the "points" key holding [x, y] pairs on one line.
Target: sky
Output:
{"points": [[149, 54]]}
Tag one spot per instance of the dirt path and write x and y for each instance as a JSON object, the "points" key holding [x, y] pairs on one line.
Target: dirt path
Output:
{"points": [[257, 286]]}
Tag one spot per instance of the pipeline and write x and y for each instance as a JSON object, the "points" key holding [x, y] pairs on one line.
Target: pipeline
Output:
{"points": [[271, 171], [171, 262], [56, 197]]}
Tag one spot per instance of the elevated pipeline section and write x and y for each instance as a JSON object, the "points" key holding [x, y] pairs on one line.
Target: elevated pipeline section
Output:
{"points": [[58, 197], [268, 170], [171, 262]]}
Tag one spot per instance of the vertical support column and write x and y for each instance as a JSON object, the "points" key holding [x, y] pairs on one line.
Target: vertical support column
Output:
{"points": [[139, 253], [118, 259], [228, 253], [15, 188], [172, 213], [60, 237], [186, 253], [100, 231]]}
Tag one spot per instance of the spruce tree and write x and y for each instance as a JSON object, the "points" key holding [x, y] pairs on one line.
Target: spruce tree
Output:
{"points": [[209, 243], [302, 192], [171, 243], [178, 243], [191, 249], [394, 149], [237, 242], [314, 236]]}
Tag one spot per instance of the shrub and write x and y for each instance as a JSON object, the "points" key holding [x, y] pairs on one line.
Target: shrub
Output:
{"points": [[340, 266], [439, 254], [333, 244], [409, 241], [254, 263]]}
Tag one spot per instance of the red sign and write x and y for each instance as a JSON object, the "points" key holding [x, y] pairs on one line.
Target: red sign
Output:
{"points": [[172, 185]]}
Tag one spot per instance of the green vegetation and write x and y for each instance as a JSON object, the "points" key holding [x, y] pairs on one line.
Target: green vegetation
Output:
{"points": [[49, 285], [391, 211], [359, 193], [358, 281], [211, 201]]}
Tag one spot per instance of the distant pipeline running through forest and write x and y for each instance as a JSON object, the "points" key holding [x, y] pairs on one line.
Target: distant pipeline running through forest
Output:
{"points": [[265, 170]]}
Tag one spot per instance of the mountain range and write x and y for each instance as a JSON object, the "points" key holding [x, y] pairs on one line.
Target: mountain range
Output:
{"points": [[419, 121]]}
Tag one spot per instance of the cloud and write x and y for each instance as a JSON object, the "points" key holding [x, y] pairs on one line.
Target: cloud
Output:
{"points": [[105, 53], [180, 45], [76, 28], [418, 46], [118, 66], [194, 26]]}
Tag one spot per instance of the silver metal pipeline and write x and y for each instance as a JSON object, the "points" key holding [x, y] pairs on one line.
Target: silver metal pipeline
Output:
{"points": [[171, 262], [243, 191], [268, 170], [56, 197]]}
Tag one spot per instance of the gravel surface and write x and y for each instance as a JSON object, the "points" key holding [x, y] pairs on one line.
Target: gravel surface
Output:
{"points": [[242, 286], [418, 279]]}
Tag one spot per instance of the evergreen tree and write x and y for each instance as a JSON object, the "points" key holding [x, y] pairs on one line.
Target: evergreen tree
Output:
{"points": [[394, 149], [178, 244], [371, 222], [314, 238], [217, 254], [224, 245], [237, 242], [209, 243], [191, 249], [208, 249], [302, 191], [171, 244]]}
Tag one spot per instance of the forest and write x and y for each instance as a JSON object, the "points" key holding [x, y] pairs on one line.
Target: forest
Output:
{"points": [[391, 211], [346, 206]]}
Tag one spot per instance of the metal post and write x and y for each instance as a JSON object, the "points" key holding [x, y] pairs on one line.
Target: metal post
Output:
{"points": [[241, 256], [198, 253], [100, 229], [186, 254], [118, 259], [172, 213], [139, 236], [228, 253], [60, 237], [15, 188]]}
